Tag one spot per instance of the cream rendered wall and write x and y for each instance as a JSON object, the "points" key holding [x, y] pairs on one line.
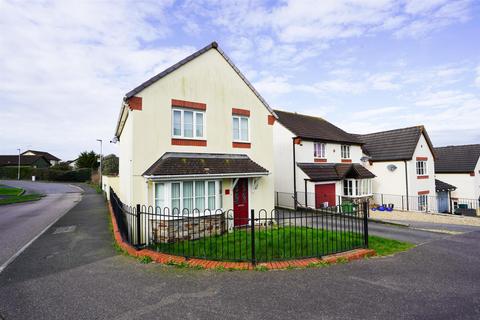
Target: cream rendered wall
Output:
{"points": [[416, 185], [463, 181], [207, 79], [283, 158], [332, 152], [386, 181]]}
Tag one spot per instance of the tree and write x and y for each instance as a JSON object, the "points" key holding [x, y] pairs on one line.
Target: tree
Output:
{"points": [[87, 160], [110, 165], [64, 166]]}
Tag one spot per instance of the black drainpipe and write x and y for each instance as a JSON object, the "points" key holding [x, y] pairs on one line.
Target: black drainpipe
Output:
{"points": [[294, 176], [406, 183]]}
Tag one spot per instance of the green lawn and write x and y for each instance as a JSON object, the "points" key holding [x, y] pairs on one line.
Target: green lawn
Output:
{"points": [[6, 191], [278, 244], [14, 195]]}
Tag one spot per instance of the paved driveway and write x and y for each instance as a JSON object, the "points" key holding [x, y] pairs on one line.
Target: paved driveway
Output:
{"points": [[22, 222], [78, 275]]}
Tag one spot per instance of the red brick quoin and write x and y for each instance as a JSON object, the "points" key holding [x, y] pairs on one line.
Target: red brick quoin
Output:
{"points": [[209, 264]]}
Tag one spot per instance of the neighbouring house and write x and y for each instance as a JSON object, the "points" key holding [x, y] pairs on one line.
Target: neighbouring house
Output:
{"points": [[50, 157], [197, 136], [72, 163], [460, 166], [34, 161], [403, 161], [317, 164]]}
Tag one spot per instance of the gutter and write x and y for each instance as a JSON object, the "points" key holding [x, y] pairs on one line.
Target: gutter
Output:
{"points": [[205, 176], [406, 183], [120, 123]]}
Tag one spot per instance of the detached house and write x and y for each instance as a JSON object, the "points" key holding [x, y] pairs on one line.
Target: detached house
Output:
{"points": [[460, 167], [197, 136], [317, 164], [50, 157], [403, 161]]}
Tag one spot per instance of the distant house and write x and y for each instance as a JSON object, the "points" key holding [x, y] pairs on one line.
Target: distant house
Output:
{"points": [[37, 161], [317, 164], [460, 166], [403, 161], [51, 158]]}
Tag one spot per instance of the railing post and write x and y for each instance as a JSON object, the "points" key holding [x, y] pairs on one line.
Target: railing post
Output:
{"points": [[252, 235], [365, 223], [138, 225], [382, 199], [403, 209]]}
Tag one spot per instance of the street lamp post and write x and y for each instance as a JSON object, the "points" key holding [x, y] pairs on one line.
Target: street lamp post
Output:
{"points": [[18, 175], [101, 158]]}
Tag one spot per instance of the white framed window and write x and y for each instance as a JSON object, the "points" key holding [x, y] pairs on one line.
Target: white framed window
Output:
{"points": [[422, 202], [241, 128], [194, 196], [319, 150], [345, 152], [357, 188], [188, 124], [159, 195], [421, 168]]}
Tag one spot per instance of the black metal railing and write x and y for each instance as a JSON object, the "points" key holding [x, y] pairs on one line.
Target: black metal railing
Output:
{"points": [[255, 236]]}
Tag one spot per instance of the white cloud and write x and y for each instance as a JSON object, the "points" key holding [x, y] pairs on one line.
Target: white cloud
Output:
{"points": [[477, 79], [65, 67]]}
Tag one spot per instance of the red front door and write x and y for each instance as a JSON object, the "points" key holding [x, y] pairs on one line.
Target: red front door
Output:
{"points": [[324, 195], [240, 203]]}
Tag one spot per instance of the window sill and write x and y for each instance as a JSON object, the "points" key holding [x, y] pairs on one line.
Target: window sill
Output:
{"points": [[189, 142], [320, 160], [422, 177], [346, 160], [238, 144]]}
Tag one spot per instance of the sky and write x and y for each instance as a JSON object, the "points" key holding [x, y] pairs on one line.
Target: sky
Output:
{"points": [[366, 66]]}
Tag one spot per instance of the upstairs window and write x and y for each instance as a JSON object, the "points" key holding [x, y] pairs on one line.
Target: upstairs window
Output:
{"points": [[319, 150], [241, 129], [345, 152], [421, 168], [188, 124]]}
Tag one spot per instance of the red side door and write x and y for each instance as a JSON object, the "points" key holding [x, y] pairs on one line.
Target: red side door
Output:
{"points": [[324, 193], [240, 203]]}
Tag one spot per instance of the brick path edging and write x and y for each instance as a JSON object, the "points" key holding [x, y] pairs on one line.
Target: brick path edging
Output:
{"points": [[209, 264]]}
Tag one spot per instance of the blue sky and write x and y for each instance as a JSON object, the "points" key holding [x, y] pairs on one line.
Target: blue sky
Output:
{"points": [[364, 65]]}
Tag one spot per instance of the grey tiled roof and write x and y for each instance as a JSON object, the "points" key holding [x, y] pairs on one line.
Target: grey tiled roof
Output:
{"points": [[397, 144], [173, 163], [47, 155], [443, 186], [335, 171], [457, 159], [315, 128]]}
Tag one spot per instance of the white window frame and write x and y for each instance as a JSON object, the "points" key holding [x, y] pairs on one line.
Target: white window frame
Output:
{"points": [[322, 147], [357, 187], [423, 169], [345, 151], [182, 124], [168, 196], [240, 128], [422, 200]]}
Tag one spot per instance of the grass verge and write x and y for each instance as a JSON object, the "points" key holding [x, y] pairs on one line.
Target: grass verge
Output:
{"points": [[7, 191], [19, 199], [385, 247]]}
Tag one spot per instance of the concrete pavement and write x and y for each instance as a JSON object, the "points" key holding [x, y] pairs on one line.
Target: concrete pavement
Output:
{"points": [[22, 222], [78, 275]]}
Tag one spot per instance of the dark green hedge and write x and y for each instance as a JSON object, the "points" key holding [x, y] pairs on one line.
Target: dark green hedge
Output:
{"points": [[46, 174]]}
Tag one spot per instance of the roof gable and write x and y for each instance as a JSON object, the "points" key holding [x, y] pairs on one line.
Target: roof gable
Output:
{"points": [[394, 145], [47, 155], [178, 65], [457, 159], [315, 128]]}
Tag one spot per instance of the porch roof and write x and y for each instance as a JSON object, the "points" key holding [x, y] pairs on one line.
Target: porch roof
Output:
{"points": [[208, 165], [443, 186], [334, 171]]}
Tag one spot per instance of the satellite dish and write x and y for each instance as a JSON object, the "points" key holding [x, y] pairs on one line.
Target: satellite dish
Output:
{"points": [[364, 159], [392, 167]]}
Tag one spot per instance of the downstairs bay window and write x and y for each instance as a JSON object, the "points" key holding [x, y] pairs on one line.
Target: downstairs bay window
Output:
{"points": [[357, 187], [188, 196]]}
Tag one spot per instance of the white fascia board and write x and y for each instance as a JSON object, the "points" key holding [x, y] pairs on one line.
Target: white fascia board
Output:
{"points": [[206, 176]]}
